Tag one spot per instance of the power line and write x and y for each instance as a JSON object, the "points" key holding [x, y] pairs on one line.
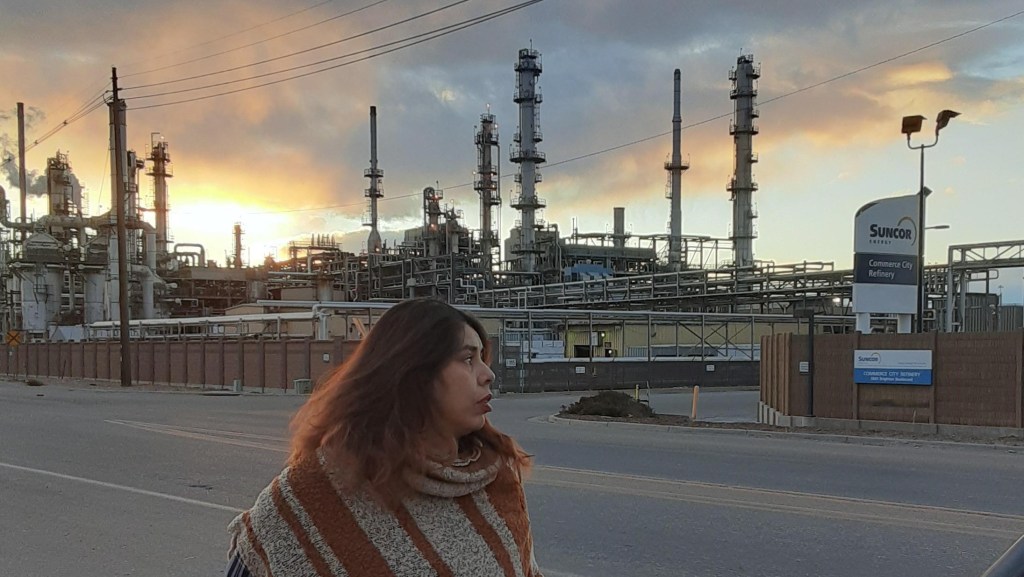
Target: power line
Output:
{"points": [[84, 111], [430, 36], [781, 96], [289, 55], [79, 113], [251, 44], [317, 63], [720, 116], [96, 91], [93, 105], [87, 108], [328, 207], [233, 34]]}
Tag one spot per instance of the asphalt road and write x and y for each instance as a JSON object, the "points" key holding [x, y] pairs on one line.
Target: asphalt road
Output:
{"points": [[99, 482]]}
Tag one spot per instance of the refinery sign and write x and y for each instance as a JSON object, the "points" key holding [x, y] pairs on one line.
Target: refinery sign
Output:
{"points": [[885, 256], [892, 367]]}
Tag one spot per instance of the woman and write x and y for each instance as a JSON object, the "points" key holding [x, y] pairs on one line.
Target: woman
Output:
{"points": [[394, 468]]}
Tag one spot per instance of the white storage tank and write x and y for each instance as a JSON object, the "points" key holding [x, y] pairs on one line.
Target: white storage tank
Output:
{"points": [[40, 297]]}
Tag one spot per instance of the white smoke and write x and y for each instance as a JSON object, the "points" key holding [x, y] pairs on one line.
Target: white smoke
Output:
{"points": [[35, 182]]}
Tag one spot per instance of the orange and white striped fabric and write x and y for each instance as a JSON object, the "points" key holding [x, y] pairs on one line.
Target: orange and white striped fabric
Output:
{"points": [[465, 522]]}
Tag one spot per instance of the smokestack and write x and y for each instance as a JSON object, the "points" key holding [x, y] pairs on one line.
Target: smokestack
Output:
{"points": [[619, 234], [238, 245], [373, 242], [675, 168], [22, 184]]}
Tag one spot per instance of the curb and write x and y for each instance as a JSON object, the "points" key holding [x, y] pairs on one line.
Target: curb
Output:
{"points": [[683, 389], [828, 437], [105, 386]]}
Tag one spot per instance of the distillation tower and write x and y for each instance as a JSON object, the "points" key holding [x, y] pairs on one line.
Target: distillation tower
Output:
{"points": [[742, 186], [160, 171], [486, 185], [524, 153]]}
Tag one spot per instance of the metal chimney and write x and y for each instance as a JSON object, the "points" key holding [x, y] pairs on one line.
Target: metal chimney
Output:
{"points": [[373, 242], [237, 233], [619, 230], [675, 168]]}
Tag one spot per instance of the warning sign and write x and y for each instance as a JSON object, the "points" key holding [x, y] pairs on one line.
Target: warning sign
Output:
{"points": [[13, 338]]}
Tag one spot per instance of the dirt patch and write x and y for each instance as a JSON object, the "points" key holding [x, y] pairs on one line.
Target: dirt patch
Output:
{"points": [[610, 404]]}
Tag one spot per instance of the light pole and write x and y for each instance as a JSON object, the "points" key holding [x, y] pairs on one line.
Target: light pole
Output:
{"points": [[912, 124]]}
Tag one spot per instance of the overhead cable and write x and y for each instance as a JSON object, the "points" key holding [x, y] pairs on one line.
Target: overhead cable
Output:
{"points": [[251, 44], [425, 37], [231, 35], [291, 54]]}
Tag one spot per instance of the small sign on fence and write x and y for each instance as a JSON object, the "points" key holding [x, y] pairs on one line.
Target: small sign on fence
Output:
{"points": [[13, 338], [892, 367]]}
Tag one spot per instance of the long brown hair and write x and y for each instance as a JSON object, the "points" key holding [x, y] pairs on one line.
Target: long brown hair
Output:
{"points": [[372, 412]]}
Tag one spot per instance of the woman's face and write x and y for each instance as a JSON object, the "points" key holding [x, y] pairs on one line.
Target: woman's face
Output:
{"points": [[463, 389]]}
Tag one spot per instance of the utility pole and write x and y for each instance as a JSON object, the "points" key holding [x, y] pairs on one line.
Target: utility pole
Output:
{"points": [[22, 180], [116, 113]]}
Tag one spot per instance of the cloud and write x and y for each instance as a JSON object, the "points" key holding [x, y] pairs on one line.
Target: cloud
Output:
{"points": [[607, 81], [920, 73]]}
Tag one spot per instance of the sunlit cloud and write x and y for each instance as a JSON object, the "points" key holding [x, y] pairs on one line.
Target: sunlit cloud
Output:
{"points": [[921, 73], [260, 156]]}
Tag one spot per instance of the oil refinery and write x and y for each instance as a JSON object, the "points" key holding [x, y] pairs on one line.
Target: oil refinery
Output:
{"points": [[60, 273]]}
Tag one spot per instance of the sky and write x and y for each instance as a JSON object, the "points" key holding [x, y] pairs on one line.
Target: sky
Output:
{"points": [[287, 160]]}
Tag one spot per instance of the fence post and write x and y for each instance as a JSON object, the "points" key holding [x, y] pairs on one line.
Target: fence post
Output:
{"points": [[202, 364], [283, 347], [241, 360], [222, 379], [309, 359], [262, 347], [935, 347], [856, 387], [1020, 379]]}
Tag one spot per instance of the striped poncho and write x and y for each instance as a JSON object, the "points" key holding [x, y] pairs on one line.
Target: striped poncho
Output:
{"points": [[464, 521]]}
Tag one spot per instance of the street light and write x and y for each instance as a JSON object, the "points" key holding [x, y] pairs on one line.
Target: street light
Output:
{"points": [[911, 125], [937, 227]]}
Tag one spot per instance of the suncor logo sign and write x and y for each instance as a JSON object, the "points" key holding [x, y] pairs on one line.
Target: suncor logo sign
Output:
{"points": [[902, 231], [887, 226], [872, 359]]}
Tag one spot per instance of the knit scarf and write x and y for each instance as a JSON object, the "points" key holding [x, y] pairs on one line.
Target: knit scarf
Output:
{"points": [[467, 519]]}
